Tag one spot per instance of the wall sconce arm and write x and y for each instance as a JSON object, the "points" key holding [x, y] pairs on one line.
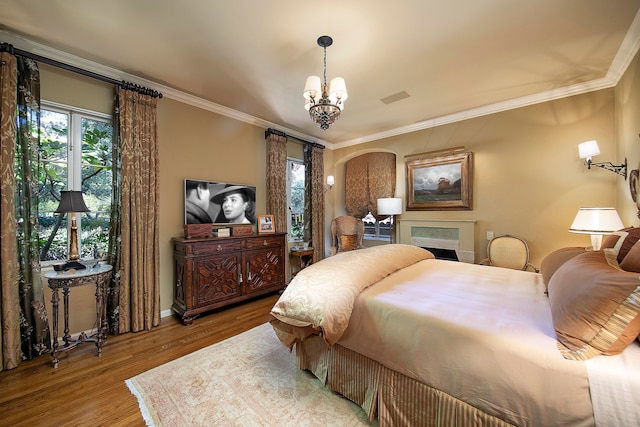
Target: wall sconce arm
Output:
{"points": [[619, 169]]}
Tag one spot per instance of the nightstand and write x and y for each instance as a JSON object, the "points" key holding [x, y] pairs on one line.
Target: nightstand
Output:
{"points": [[304, 259]]}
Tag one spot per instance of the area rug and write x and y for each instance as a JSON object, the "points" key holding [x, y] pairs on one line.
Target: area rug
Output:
{"points": [[247, 380]]}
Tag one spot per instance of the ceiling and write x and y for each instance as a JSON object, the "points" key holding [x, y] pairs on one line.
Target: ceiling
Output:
{"points": [[455, 59]]}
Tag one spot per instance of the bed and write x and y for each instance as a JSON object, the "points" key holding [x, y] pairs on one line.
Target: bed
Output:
{"points": [[415, 340]]}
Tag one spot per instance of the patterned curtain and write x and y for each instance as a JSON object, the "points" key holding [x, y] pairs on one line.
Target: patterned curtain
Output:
{"points": [[24, 327], [277, 180], [314, 199], [368, 178], [134, 246]]}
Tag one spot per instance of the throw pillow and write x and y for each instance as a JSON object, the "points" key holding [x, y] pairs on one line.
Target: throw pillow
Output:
{"points": [[552, 262], [631, 262], [595, 307], [347, 242], [629, 240]]}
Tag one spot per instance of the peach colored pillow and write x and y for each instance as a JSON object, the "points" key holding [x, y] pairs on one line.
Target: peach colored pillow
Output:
{"points": [[595, 307], [552, 262]]}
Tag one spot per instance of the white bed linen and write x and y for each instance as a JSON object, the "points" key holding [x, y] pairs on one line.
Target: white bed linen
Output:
{"points": [[481, 334], [615, 387]]}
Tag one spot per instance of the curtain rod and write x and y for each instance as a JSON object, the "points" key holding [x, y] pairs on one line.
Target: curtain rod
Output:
{"points": [[6, 47], [271, 131]]}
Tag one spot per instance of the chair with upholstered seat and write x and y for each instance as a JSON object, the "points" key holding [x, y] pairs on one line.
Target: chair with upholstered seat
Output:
{"points": [[347, 233], [509, 252]]}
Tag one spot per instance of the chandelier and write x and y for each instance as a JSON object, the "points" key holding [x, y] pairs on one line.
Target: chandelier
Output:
{"points": [[323, 102]]}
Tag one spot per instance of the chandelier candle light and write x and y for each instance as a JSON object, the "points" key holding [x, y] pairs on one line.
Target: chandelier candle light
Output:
{"points": [[72, 202], [323, 102]]}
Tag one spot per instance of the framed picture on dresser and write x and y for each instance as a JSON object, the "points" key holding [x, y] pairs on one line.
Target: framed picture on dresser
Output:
{"points": [[266, 224]]}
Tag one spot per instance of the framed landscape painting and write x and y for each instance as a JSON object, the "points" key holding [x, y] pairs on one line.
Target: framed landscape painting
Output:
{"points": [[440, 183]]}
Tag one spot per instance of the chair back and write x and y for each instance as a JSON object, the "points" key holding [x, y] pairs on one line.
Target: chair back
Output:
{"points": [[509, 252], [346, 225]]}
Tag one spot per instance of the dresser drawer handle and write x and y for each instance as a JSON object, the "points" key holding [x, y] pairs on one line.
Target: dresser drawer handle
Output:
{"points": [[219, 248], [265, 243]]}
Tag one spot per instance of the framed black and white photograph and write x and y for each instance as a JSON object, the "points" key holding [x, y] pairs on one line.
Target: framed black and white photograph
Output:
{"points": [[265, 224], [211, 202]]}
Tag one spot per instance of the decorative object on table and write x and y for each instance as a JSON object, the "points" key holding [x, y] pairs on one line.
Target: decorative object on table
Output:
{"points": [[596, 222], [440, 180], [192, 231], [324, 102], [222, 232], [265, 224], [391, 206], [241, 230], [71, 202], [588, 149]]}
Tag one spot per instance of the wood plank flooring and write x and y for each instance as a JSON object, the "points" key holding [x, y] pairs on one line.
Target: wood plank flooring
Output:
{"points": [[89, 391]]}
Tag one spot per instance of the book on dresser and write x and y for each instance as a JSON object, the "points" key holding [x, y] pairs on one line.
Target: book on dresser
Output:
{"points": [[213, 272], [221, 232]]}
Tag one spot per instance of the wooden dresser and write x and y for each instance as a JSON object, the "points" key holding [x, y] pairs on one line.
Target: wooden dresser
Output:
{"points": [[216, 271]]}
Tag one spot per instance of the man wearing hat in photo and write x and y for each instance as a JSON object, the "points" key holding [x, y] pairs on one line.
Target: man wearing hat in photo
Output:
{"points": [[197, 202], [237, 204]]}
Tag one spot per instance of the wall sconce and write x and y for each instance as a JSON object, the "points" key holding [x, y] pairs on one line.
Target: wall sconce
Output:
{"points": [[72, 202], [390, 206], [596, 222], [330, 181], [588, 149]]}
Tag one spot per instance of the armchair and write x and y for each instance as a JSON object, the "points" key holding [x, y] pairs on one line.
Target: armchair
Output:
{"points": [[347, 233]]}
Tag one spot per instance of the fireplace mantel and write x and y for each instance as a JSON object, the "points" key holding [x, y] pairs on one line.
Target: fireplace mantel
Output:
{"points": [[457, 235]]}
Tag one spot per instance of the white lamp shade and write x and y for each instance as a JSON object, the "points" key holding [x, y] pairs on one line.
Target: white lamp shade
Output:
{"points": [[338, 89], [588, 149], [312, 87], [330, 180], [390, 206], [596, 221]]}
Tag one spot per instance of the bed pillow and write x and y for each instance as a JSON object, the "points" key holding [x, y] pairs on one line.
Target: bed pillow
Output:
{"points": [[555, 260], [629, 240], [631, 262], [594, 306], [347, 242]]}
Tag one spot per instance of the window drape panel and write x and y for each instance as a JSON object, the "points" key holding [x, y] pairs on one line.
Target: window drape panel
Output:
{"points": [[369, 177], [137, 257], [277, 180], [24, 327], [314, 199]]}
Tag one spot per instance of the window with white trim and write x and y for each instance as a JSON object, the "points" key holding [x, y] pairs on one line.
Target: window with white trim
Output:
{"points": [[75, 154], [295, 199]]}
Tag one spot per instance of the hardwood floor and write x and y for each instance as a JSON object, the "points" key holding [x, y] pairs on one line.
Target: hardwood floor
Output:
{"points": [[89, 391]]}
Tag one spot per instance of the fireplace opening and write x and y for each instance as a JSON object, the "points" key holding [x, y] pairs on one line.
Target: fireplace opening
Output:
{"points": [[446, 254]]}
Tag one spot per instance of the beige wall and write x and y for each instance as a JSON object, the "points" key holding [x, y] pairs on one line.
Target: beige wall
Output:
{"points": [[628, 139], [528, 178]]}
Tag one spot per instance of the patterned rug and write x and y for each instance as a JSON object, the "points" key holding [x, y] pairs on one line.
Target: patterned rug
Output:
{"points": [[247, 380]]}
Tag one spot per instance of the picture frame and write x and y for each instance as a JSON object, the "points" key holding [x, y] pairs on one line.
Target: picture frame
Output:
{"points": [[266, 225], [440, 182]]}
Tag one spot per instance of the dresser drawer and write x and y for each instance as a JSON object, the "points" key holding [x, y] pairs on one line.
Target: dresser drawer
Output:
{"points": [[264, 242], [214, 247]]}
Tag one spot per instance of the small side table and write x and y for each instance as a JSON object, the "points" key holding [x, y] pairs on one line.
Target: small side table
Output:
{"points": [[305, 259], [65, 280]]}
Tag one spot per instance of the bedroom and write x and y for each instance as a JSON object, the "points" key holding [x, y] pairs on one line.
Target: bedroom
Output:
{"points": [[528, 178]]}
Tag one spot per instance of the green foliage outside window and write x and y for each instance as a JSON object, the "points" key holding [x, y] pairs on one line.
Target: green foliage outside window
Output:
{"points": [[57, 168]]}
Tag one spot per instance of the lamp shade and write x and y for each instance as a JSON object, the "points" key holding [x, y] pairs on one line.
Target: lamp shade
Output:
{"points": [[596, 221], [588, 149], [331, 180], [390, 206], [71, 201], [312, 87]]}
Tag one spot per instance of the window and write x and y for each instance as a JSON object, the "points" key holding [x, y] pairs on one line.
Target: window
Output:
{"points": [[75, 154], [376, 230], [295, 199]]}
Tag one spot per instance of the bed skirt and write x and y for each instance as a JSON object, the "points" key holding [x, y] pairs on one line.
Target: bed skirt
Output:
{"points": [[395, 399]]}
